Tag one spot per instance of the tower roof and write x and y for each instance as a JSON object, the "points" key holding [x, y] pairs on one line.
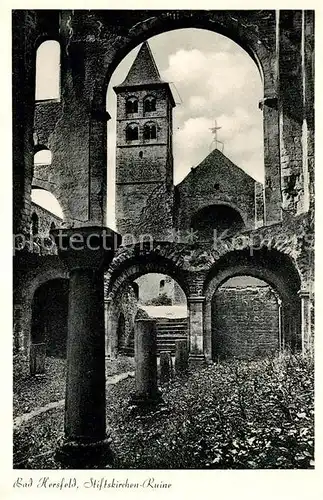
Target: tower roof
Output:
{"points": [[144, 73], [143, 70]]}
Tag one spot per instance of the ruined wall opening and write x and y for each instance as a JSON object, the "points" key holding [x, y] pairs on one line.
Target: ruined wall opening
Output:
{"points": [[216, 220], [49, 317], [42, 157], [48, 71], [46, 200], [237, 322], [141, 296], [213, 81]]}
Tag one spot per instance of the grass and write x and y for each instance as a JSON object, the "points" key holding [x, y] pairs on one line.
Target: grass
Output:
{"points": [[237, 415], [33, 392]]}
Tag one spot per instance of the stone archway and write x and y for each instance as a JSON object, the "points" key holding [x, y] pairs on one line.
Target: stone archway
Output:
{"points": [[263, 53], [130, 264], [272, 267]]}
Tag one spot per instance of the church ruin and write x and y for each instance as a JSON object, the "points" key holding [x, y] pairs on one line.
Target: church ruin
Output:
{"points": [[66, 294]]}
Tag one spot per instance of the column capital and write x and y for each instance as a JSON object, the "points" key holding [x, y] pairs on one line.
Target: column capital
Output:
{"points": [[195, 299], [86, 247]]}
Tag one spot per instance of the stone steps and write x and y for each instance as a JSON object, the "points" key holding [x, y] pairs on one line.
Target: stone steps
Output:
{"points": [[168, 330]]}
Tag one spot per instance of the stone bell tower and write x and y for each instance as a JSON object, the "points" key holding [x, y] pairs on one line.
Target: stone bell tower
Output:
{"points": [[144, 153]]}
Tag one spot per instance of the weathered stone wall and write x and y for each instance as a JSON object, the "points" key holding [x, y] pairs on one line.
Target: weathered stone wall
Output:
{"points": [[245, 322], [45, 219], [259, 205], [49, 316]]}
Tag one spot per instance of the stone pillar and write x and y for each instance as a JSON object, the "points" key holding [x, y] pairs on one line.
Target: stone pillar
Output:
{"points": [[208, 331], [306, 320], [166, 366], [181, 357], [98, 164], [24, 34], [291, 113], [195, 308], [110, 328], [85, 443], [146, 362], [272, 188]]}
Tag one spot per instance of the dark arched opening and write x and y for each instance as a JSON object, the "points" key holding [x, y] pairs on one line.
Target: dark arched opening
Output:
{"points": [[216, 219], [34, 224], [49, 317], [265, 314]]}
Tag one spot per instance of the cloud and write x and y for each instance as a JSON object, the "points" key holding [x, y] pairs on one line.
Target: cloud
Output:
{"points": [[221, 86]]}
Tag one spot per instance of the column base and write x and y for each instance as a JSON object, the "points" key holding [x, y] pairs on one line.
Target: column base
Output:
{"points": [[196, 358], [85, 455], [146, 401]]}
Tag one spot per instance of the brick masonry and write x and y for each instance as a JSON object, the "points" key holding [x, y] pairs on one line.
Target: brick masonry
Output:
{"points": [[245, 322]]}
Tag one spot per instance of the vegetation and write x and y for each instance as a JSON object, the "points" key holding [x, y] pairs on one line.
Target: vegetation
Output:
{"points": [[161, 300], [234, 415]]}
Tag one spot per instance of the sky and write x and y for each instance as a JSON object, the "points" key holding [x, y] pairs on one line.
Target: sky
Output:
{"points": [[212, 78]]}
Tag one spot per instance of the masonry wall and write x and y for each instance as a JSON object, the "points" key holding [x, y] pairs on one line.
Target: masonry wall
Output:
{"points": [[45, 219], [245, 322]]}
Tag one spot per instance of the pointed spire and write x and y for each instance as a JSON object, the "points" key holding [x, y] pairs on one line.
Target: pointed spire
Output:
{"points": [[143, 70]]}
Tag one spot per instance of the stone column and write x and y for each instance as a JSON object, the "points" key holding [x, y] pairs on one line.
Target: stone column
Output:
{"points": [[110, 328], [86, 252], [306, 319], [181, 357], [196, 344], [146, 362], [272, 189], [166, 366], [208, 331]]}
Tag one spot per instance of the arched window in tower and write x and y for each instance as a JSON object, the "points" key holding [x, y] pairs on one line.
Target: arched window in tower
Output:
{"points": [[161, 286], [34, 224], [132, 132], [131, 105], [150, 131], [48, 71], [149, 104]]}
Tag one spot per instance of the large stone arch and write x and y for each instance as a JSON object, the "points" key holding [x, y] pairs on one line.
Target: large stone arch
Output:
{"points": [[255, 35], [129, 264], [258, 45], [217, 211], [271, 266]]}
